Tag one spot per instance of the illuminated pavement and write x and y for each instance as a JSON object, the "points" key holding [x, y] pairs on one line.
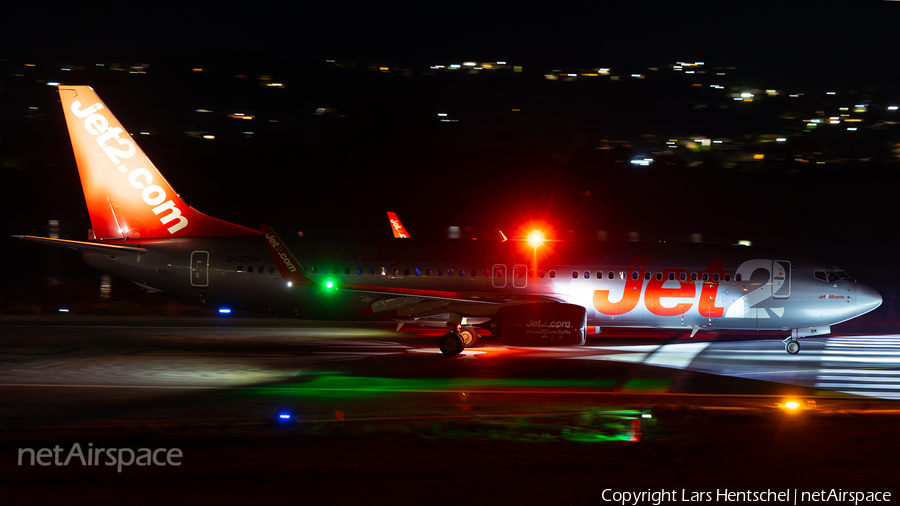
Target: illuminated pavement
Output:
{"points": [[116, 371]]}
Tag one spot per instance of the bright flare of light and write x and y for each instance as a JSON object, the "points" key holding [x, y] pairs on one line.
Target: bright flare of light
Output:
{"points": [[536, 238], [224, 310], [329, 284], [792, 405]]}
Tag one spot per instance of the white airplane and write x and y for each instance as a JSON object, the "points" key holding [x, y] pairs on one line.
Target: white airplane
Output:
{"points": [[527, 292]]}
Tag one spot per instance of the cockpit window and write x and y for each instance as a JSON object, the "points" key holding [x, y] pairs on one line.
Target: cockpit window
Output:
{"points": [[827, 276], [843, 275]]}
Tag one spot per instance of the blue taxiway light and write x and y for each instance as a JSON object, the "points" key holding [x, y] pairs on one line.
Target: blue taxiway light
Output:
{"points": [[63, 310], [225, 310]]}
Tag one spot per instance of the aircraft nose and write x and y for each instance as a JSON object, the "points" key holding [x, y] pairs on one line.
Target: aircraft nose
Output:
{"points": [[867, 299]]}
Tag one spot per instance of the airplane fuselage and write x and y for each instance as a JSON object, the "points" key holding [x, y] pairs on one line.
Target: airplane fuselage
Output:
{"points": [[619, 284]]}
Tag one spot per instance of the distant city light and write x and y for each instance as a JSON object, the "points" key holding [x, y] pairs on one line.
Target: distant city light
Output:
{"points": [[53, 83], [208, 136], [851, 129], [642, 162], [831, 93], [781, 139], [892, 108], [501, 63], [469, 64], [744, 242]]}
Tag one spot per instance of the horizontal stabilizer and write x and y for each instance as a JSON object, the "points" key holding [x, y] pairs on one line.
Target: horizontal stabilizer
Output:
{"points": [[83, 246]]}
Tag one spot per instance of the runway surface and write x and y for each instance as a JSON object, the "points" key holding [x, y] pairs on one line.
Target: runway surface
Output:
{"points": [[376, 415], [69, 370]]}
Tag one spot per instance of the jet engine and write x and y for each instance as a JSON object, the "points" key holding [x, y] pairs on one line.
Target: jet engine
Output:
{"points": [[540, 324]]}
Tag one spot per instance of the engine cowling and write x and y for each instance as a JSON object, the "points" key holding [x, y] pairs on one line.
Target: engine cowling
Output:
{"points": [[540, 324]]}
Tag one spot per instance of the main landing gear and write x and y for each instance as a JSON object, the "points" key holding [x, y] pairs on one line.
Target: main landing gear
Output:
{"points": [[452, 343], [791, 345]]}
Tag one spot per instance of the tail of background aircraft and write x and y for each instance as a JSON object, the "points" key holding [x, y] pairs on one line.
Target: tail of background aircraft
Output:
{"points": [[397, 227], [125, 193]]}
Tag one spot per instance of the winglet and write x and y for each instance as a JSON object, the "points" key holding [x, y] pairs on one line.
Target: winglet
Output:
{"points": [[397, 227], [290, 269]]}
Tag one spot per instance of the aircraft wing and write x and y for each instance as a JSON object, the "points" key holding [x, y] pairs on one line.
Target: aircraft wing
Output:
{"points": [[83, 246]]}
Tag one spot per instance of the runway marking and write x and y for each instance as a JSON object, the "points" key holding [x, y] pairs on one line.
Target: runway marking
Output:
{"points": [[75, 385]]}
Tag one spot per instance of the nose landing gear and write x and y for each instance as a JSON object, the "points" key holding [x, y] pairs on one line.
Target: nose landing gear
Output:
{"points": [[791, 345]]}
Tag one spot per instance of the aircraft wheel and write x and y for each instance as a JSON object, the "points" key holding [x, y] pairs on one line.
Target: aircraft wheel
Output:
{"points": [[792, 347], [451, 344], [469, 337]]}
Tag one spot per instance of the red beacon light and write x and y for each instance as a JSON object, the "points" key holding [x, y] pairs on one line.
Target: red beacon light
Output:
{"points": [[536, 239]]}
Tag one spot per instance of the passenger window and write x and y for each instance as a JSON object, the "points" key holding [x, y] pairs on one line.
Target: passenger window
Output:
{"points": [[520, 272], [271, 269], [738, 277], [241, 269], [541, 273], [396, 271], [587, 274], [552, 274], [499, 273], [621, 274], [671, 276], [440, 272], [359, 271], [249, 268], [449, 272], [487, 273], [574, 274], [462, 272], [611, 275], [727, 277], [599, 274], [406, 271], [384, 271], [683, 276], [646, 275], [371, 271], [693, 276], [659, 276], [634, 274], [418, 272], [324, 270], [428, 272], [716, 277], [705, 276], [262, 269]]}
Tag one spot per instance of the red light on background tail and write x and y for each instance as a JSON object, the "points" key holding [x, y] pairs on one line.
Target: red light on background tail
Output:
{"points": [[126, 195]]}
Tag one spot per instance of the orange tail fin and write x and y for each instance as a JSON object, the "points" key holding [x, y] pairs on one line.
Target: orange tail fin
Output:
{"points": [[126, 195], [397, 227]]}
